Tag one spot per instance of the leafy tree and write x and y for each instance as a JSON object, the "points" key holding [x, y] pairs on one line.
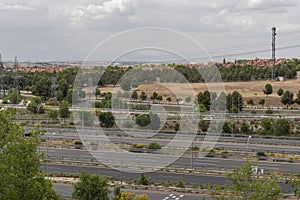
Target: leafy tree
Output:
{"points": [[53, 114], [91, 187], [14, 97], [154, 96], [280, 92], [69, 96], [143, 96], [59, 95], [234, 102], [268, 89], [250, 102], [159, 98], [245, 187], [176, 127], [63, 110], [20, 170], [143, 120], [245, 128], [267, 125], [226, 128], [97, 93], [262, 102], [143, 180], [205, 99], [295, 183], [202, 108], [35, 106], [282, 127], [287, 98], [204, 125], [117, 193], [134, 95], [106, 119], [169, 99]]}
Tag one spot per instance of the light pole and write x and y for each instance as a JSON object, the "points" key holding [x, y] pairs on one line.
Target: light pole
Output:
{"points": [[247, 146]]}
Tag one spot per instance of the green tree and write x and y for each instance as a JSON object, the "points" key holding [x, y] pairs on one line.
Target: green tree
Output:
{"points": [[268, 89], [97, 93], [134, 95], [14, 97], [90, 187], [143, 180], [64, 111], [282, 127], [143, 96], [143, 120], [261, 102], [202, 108], [234, 102], [226, 128], [53, 114], [267, 125], [246, 187], [295, 183], [287, 98], [35, 106], [250, 102], [245, 128], [280, 92], [204, 98], [117, 193], [106, 119], [20, 167], [169, 99]]}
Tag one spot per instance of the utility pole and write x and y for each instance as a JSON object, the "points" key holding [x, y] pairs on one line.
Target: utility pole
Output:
{"points": [[273, 51], [16, 78], [1, 63], [2, 75]]}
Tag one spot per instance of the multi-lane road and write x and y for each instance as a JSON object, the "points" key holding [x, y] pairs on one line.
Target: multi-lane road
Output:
{"points": [[65, 190], [226, 143], [130, 158]]}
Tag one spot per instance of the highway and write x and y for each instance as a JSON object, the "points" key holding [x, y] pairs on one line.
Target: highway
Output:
{"points": [[65, 190], [239, 145], [192, 179], [72, 134], [142, 159]]}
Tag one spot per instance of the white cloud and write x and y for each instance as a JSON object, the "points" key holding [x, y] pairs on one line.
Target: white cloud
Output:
{"points": [[16, 7]]}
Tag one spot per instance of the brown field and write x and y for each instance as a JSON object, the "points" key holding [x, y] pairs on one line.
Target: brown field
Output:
{"points": [[251, 89]]}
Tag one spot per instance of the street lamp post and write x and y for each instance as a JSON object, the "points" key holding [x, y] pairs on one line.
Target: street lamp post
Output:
{"points": [[247, 146]]}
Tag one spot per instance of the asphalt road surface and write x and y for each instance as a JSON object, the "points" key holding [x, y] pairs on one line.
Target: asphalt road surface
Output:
{"points": [[152, 160], [152, 176], [65, 190]]}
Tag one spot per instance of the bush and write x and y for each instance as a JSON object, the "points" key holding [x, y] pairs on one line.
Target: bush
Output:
{"points": [[261, 153], [180, 184], [78, 142], [154, 145], [139, 146]]}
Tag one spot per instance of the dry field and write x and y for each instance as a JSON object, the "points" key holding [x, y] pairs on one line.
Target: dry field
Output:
{"points": [[251, 89]]}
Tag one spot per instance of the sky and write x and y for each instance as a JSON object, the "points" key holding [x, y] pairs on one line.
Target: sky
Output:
{"points": [[50, 30]]}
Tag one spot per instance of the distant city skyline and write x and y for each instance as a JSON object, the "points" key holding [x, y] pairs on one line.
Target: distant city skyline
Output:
{"points": [[68, 30]]}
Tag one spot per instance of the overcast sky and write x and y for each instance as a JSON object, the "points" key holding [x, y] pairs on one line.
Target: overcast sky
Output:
{"points": [[69, 29]]}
